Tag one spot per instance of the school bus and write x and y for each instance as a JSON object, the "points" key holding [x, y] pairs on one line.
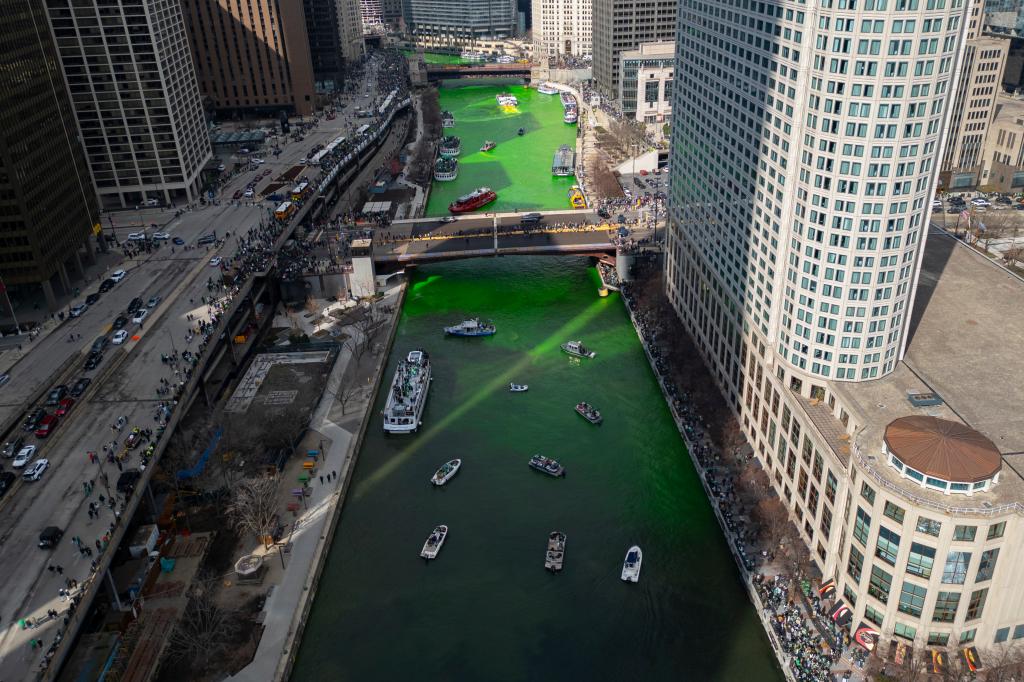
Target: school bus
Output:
{"points": [[301, 191], [284, 211]]}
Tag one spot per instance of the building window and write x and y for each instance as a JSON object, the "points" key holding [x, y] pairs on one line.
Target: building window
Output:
{"points": [[879, 584], [874, 615], [867, 492], [855, 564], [987, 565], [976, 604], [967, 636], [929, 526], [965, 533], [888, 545], [851, 596], [1002, 634], [938, 638], [955, 571], [651, 92], [894, 512], [830, 487], [945, 607], [912, 599], [996, 530], [1018, 631], [921, 560], [862, 527], [905, 631]]}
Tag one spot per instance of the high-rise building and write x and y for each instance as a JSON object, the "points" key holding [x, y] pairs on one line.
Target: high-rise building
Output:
{"points": [[323, 33], [350, 29], [128, 69], [623, 25], [1003, 158], [806, 143], [645, 91], [459, 22], [47, 198], [562, 27], [974, 102], [254, 60], [372, 12], [1005, 17]]}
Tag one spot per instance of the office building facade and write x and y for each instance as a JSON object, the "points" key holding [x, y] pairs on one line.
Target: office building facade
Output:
{"points": [[806, 146], [254, 61], [562, 27], [47, 200], [645, 91], [350, 29], [323, 34], [620, 25], [454, 23], [132, 84]]}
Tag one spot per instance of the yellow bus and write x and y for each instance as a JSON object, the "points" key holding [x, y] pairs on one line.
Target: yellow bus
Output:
{"points": [[301, 191], [285, 211]]}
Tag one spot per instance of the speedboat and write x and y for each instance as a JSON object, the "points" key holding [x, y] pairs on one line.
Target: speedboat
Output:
{"points": [[589, 412], [518, 388], [473, 327], [631, 566], [446, 472], [433, 544], [578, 349], [555, 554], [547, 465], [488, 145]]}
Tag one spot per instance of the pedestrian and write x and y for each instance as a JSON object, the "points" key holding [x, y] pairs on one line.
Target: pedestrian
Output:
{"points": [[99, 545], [60, 570], [333, 475], [51, 569], [321, 480]]}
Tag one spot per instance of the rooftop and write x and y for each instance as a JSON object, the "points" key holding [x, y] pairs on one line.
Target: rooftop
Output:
{"points": [[966, 332], [943, 448]]}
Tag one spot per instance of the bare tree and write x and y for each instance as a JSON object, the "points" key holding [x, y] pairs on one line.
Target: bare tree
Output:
{"points": [[992, 226], [1013, 255], [205, 632], [1003, 663], [254, 507], [773, 517]]}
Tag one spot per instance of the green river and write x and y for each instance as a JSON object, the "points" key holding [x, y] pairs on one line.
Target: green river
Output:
{"points": [[485, 609], [519, 168]]}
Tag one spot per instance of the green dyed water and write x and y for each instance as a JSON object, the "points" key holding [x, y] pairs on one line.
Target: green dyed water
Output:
{"points": [[486, 609], [519, 168]]}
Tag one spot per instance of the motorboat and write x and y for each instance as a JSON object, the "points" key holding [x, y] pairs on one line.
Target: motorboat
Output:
{"points": [[589, 412], [547, 466], [446, 472], [433, 544], [555, 554], [408, 394], [507, 99], [488, 145], [518, 388], [631, 566], [576, 198], [478, 198], [505, 59], [578, 349], [472, 327], [522, 131], [547, 89]]}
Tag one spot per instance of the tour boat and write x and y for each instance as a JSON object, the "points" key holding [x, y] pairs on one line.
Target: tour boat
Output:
{"points": [[505, 59], [576, 198], [446, 472], [631, 566], [570, 116], [488, 145], [522, 131], [450, 146], [446, 169], [547, 465], [564, 161], [506, 99], [578, 349], [518, 388], [547, 89], [474, 200], [555, 554], [473, 327], [447, 119], [408, 394], [433, 544], [567, 100], [589, 412], [473, 56]]}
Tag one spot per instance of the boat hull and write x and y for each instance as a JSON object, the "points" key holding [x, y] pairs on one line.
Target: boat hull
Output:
{"points": [[411, 422], [451, 332], [430, 551], [440, 477], [577, 354], [473, 204], [631, 570]]}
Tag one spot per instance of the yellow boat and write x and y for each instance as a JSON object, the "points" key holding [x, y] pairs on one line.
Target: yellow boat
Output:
{"points": [[576, 198]]}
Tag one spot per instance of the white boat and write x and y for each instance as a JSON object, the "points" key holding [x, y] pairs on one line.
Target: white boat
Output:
{"points": [[547, 89], [446, 472], [506, 99], [578, 349], [518, 388], [554, 557], [471, 327], [631, 566], [408, 395], [433, 544], [505, 59]]}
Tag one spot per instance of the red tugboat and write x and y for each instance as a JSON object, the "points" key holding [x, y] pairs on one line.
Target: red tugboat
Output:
{"points": [[474, 200]]}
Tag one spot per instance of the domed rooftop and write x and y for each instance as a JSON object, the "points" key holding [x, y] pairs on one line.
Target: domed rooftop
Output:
{"points": [[943, 449]]}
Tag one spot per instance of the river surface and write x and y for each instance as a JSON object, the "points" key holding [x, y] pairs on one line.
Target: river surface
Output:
{"points": [[519, 167], [485, 609]]}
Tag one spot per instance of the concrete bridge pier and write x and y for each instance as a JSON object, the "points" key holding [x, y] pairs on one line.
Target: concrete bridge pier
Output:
{"points": [[624, 265]]}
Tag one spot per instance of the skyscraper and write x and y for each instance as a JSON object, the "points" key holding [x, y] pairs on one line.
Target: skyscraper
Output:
{"points": [[47, 198], [806, 142], [133, 87], [459, 22], [562, 27], [324, 36], [350, 29], [623, 25]]}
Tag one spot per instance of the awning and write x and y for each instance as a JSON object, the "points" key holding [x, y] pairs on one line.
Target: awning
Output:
{"points": [[970, 657], [866, 636], [828, 589], [939, 662], [840, 613]]}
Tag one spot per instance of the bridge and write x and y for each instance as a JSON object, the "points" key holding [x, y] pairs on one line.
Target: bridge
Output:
{"points": [[446, 71]]}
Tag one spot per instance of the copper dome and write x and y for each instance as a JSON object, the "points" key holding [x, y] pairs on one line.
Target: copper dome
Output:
{"points": [[943, 449]]}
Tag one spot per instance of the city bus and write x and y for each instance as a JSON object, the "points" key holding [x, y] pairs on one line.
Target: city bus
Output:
{"points": [[362, 129], [301, 191], [285, 210]]}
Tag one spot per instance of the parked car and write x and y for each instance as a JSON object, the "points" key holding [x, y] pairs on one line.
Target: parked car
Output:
{"points": [[91, 299], [4, 378], [120, 336], [152, 202], [216, 261], [206, 239], [140, 316], [237, 195], [248, 194], [78, 309], [135, 304], [161, 236], [12, 446], [107, 285], [24, 456], [57, 394], [36, 471], [64, 407], [99, 344], [80, 386], [136, 237], [47, 425], [50, 536], [118, 275], [178, 241], [120, 321]]}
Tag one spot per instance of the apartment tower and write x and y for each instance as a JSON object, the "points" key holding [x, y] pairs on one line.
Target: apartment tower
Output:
{"points": [[47, 198], [623, 25], [252, 60], [128, 70], [562, 27], [806, 146]]}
